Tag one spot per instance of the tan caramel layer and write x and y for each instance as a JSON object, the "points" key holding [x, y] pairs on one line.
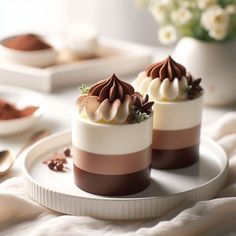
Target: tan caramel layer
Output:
{"points": [[112, 164], [176, 139]]}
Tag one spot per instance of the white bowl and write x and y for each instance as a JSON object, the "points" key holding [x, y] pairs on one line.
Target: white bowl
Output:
{"points": [[37, 58], [82, 40], [22, 98]]}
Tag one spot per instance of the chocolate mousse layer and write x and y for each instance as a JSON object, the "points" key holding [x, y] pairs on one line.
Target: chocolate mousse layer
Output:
{"points": [[112, 175], [112, 185], [175, 148], [177, 158], [112, 164]]}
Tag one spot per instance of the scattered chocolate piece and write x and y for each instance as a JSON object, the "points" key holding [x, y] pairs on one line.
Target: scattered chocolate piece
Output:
{"points": [[67, 152], [57, 162], [55, 165], [51, 165]]}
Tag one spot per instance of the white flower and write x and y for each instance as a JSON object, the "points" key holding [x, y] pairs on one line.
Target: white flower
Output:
{"points": [[189, 4], [181, 16], [159, 11], [168, 2], [231, 9], [167, 34], [218, 33], [215, 17], [204, 4]]}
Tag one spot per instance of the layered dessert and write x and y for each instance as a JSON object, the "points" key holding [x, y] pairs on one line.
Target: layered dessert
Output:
{"points": [[177, 113], [112, 138]]}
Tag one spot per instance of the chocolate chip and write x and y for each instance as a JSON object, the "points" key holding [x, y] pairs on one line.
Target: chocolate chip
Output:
{"points": [[59, 166], [67, 152], [51, 165], [58, 161]]}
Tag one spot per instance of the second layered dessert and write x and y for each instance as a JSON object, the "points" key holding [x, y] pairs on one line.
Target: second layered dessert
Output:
{"points": [[112, 138], [177, 113]]}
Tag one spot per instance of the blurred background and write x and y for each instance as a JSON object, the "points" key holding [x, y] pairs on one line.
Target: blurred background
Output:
{"points": [[200, 34], [120, 19]]}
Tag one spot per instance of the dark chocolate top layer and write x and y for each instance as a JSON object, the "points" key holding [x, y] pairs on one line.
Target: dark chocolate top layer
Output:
{"points": [[111, 89], [167, 68]]}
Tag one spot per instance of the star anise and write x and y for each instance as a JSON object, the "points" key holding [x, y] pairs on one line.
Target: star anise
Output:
{"points": [[189, 77], [142, 105], [142, 108], [195, 89]]}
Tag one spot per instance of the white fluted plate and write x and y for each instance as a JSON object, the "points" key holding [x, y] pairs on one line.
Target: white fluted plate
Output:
{"points": [[57, 191]]}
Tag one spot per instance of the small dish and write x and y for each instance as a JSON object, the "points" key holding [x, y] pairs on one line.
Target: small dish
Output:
{"points": [[34, 58], [21, 98]]}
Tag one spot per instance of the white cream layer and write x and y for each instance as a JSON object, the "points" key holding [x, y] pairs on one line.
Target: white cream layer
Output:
{"points": [[110, 139], [161, 91], [177, 115]]}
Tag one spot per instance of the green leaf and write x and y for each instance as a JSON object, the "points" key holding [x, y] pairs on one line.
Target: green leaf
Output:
{"points": [[84, 89], [186, 89], [139, 116]]}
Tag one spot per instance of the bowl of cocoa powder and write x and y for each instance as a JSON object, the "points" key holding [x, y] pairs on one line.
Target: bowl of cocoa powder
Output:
{"points": [[20, 109], [28, 49]]}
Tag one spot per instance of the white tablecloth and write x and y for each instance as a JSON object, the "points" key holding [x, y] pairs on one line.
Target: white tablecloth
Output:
{"points": [[19, 215]]}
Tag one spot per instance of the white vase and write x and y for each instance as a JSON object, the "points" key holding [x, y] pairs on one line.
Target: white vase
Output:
{"points": [[215, 63]]}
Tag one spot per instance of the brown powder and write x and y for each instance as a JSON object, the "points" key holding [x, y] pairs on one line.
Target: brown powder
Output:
{"points": [[26, 42], [9, 111]]}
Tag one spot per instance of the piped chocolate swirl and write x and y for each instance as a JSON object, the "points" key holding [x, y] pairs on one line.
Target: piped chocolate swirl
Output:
{"points": [[168, 80], [167, 68], [113, 100], [111, 89]]}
